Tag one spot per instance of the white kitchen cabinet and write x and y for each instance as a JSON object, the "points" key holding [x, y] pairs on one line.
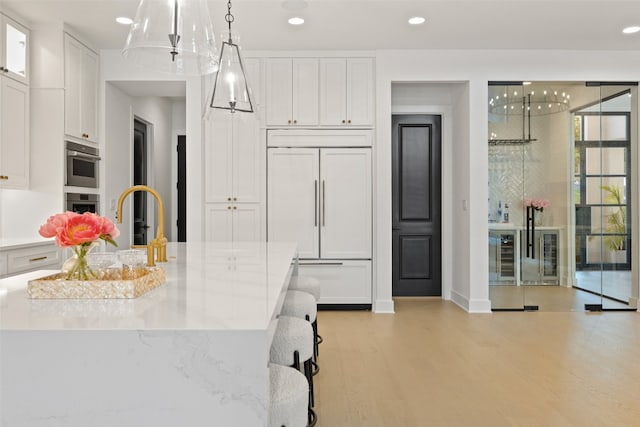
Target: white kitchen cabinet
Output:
{"points": [[342, 282], [234, 158], [234, 177], [3, 264], [346, 92], [291, 91], [321, 198], [233, 222], [14, 49], [14, 134], [81, 90], [36, 257]]}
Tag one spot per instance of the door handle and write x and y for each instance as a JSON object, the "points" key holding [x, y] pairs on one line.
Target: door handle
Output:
{"points": [[323, 203], [315, 203]]}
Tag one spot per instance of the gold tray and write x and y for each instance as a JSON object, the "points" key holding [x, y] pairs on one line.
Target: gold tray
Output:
{"points": [[56, 286]]}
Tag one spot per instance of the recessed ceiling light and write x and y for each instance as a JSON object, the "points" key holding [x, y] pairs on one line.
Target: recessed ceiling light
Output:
{"points": [[296, 21], [416, 20], [124, 20], [631, 30]]}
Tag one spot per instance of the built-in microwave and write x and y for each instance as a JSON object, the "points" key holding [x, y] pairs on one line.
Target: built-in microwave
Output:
{"points": [[82, 165], [81, 203]]}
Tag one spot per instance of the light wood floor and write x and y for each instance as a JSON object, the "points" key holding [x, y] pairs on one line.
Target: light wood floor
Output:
{"points": [[432, 364]]}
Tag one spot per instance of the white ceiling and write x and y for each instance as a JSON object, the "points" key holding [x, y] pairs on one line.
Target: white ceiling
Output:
{"points": [[176, 90], [378, 24]]}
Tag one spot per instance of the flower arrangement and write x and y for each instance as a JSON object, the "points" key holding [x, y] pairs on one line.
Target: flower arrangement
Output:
{"points": [[80, 232], [537, 204]]}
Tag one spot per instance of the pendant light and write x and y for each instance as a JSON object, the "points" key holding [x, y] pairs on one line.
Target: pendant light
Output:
{"points": [[173, 36], [230, 88]]}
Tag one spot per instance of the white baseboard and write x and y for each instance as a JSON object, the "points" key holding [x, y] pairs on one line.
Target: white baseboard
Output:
{"points": [[383, 306], [471, 306]]}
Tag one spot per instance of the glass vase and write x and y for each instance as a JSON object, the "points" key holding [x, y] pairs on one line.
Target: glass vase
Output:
{"points": [[76, 266]]}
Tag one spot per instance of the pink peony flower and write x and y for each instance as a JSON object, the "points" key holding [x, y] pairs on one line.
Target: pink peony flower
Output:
{"points": [[537, 204], [54, 224], [71, 229]]}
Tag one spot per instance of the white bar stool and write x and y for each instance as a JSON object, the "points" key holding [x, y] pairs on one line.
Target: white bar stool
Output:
{"points": [[293, 343], [310, 285], [289, 392]]}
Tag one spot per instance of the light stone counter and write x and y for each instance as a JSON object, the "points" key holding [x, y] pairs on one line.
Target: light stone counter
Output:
{"points": [[192, 352]]}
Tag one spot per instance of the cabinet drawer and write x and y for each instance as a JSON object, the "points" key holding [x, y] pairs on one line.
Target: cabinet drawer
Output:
{"points": [[3, 264], [20, 260], [341, 282]]}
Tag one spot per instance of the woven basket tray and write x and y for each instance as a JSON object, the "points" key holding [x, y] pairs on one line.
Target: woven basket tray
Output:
{"points": [[57, 287]]}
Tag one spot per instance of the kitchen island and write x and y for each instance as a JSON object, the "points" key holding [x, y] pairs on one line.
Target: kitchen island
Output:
{"points": [[192, 352]]}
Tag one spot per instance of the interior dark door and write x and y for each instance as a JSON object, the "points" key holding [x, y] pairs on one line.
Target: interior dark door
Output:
{"points": [[416, 205], [182, 188], [140, 226]]}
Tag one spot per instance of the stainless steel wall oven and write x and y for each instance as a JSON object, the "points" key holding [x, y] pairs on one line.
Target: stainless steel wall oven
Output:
{"points": [[81, 203], [82, 165]]}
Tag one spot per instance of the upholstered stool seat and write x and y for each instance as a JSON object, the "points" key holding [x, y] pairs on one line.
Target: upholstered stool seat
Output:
{"points": [[307, 284], [289, 392], [292, 346], [301, 305]]}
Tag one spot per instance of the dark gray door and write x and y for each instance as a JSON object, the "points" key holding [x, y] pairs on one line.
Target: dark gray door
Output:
{"points": [[182, 188], [416, 205], [140, 226]]}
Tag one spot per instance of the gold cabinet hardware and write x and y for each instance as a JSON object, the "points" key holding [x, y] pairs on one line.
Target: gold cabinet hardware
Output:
{"points": [[349, 121], [228, 207], [228, 199], [295, 121], [234, 208], [343, 122], [235, 199], [289, 121], [40, 258]]}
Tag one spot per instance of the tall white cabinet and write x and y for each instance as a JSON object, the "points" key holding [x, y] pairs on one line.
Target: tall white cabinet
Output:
{"points": [[234, 178], [81, 90], [14, 104], [319, 189]]}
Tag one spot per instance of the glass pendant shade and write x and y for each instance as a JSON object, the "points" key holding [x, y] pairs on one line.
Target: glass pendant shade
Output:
{"points": [[173, 36], [230, 88]]}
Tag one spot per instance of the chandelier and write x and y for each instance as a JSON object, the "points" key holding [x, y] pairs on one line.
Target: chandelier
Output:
{"points": [[534, 102]]}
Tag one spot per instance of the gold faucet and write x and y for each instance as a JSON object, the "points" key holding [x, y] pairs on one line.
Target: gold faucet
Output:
{"points": [[159, 243]]}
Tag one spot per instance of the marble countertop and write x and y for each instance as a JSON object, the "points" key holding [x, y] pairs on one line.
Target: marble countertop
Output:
{"points": [[210, 286]]}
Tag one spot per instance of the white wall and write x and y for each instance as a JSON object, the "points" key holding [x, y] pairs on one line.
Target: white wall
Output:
{"points": [[477, 67], [113, 67], [117, 158]]}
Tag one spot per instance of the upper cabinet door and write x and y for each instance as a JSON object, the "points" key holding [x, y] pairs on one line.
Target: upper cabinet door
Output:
{"points": [[14, 41], [248, 159], [89, 95], [305, 92], [14, 134], [279, 84], [333, 89], [345, 203], [72, 87], [219, 168], [360, 102], [81, 90]]}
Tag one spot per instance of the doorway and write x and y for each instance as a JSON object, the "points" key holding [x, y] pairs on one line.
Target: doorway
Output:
{"points": [[416, 201], [560, 172], [140, 150], [182, 188]]}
